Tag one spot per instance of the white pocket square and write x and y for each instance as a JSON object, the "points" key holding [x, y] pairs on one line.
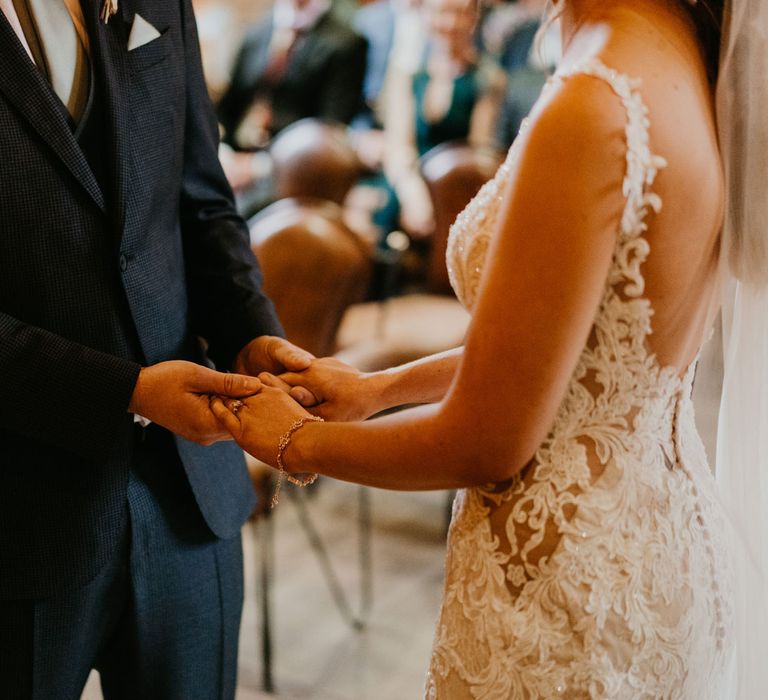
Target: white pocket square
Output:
{"points": [[142, 32]]}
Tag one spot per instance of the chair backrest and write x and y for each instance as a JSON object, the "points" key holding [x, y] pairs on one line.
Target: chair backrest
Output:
{"points": [[454, 172], [312, 158], [314, 267]]}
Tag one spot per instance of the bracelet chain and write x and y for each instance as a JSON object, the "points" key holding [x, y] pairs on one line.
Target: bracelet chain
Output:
{"points": [[282, 446]]}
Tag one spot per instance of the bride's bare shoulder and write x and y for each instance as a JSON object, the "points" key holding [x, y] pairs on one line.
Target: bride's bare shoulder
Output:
{"points": [[590, 109], [574, 141], [577, 101]]}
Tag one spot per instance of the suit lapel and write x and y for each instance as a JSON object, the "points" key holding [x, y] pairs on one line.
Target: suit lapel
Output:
{"points": [[25, 88], [108, 55]]}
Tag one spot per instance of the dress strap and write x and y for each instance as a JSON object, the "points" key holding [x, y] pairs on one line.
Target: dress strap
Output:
{"points": [[642, 166]]}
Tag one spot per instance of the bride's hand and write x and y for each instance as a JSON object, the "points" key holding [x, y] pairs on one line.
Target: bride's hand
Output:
{"points": [[258, 422], [330, 389]]}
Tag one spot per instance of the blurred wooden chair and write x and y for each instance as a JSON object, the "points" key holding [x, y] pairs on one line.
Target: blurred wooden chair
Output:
{"points": [[312, 158], [314, 267], [377, 335], [454, 172]]}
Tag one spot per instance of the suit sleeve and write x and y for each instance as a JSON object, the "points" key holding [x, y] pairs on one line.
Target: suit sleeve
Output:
{"points": [[228, 306], [60, 392], [342, 96]]}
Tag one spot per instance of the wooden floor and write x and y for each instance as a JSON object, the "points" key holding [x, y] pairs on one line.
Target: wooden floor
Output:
{"points": [[317, 654]]}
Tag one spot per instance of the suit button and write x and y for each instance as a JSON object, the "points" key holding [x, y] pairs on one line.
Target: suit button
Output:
{"points": [[123, 263]]}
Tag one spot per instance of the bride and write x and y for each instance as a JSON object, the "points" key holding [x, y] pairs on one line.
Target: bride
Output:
{"points": [[587, 555]]}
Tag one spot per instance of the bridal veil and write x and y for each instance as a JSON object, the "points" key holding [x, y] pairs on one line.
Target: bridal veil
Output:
{"points": [[742, 449]]}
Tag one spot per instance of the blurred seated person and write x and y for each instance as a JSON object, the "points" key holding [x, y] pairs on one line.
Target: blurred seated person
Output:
{"points": [[501, 18], [218, 30], [454, 94], [394, 30], [395, 35], [301, 61], [375, 21], [529, 56], [519, 38]]}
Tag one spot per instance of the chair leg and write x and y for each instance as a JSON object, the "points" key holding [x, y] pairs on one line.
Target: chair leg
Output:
{"points": [[264, 532], [299, 499], [364, 544]]}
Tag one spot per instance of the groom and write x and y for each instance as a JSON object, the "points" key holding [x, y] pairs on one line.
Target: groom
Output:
{"points": [[124, 271]]}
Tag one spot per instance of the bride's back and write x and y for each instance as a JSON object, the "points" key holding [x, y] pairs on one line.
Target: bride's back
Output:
{"points": [[680, 271]]}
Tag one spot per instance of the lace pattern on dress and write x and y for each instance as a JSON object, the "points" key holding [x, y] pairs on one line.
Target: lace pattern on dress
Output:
{"points": [[598, 571]]}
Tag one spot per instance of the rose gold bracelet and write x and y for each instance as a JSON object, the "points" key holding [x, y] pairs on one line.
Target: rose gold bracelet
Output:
{"points": [[282, 446]]}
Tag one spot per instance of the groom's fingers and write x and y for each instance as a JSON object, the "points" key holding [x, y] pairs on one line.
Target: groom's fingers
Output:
{"points": [[303, 396], [234, 385], [298, 393], [268, 379], [290, 356], [225, 416], [293, 378]]}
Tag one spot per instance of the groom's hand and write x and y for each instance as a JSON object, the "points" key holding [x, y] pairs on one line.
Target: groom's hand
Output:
{"points": [[176, 395], [268, 353]]}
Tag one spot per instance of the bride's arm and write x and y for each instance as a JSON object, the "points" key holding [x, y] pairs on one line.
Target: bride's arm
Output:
{"points": [[544, 278], [346, 394]]}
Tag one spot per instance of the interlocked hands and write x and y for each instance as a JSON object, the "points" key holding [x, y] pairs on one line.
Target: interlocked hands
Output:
{"points": [[177, 395], [326, 388]]}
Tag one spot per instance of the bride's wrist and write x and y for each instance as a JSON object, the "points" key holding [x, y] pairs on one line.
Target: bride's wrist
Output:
{"points": [[297, 455], [297, 476], [378, 388]]}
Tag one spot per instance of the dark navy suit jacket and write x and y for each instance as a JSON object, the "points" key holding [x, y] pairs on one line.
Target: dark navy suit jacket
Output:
{"points": [[99, 278]]}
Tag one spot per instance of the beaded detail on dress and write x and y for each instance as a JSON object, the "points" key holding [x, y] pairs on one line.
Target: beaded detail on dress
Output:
{"points": [[600, 570]]}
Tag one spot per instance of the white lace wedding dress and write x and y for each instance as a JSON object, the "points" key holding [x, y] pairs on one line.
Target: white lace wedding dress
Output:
{"points": [[600, 571]]}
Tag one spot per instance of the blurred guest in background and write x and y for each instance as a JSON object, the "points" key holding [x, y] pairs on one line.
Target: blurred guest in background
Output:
{"points": [[528, 54], [394, 30], [376, 22], [454, 94], [500, 18], [218, 28], [301, 61], [396, 37]]}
